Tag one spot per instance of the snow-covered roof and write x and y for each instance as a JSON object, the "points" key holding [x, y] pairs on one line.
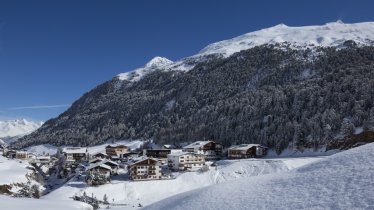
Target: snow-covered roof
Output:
{"points": [[139, 161], [100, 153], [109, 161], [43, 157], [102, 165], [70, 150], [244, 146], [177, 154], [197, 144], [96, 160]]}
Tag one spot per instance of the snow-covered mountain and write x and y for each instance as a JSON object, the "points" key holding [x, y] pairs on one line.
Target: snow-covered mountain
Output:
{"points": [[152, 65], [253, 85], [19, 127], [341, 181], [332, 34]]}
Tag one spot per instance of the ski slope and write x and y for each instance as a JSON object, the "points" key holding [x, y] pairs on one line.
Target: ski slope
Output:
{"points": [[341, 181]]}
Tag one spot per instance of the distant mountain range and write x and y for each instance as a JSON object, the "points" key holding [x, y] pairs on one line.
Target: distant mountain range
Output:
{"points": [[282, 86], [11, 130]]}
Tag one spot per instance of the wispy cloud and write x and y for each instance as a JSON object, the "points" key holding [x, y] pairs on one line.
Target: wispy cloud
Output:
{"points": [[39, 107]]}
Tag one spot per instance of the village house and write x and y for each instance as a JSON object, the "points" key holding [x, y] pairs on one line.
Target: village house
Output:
{"points": [[113, 165], [75, 154], [116, 151], [169, 146], [9, 153], [246, 151], [96, 160], [43, 159], [185, 161], [148, 169], [156, 153], [100, 155], [212, 150], [22, 155], [31, 156], [101, 169], [2, 148], [131, 155]]}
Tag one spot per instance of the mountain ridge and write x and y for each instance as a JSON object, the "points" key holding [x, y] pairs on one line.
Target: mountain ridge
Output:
{"points": [[272, 94]]}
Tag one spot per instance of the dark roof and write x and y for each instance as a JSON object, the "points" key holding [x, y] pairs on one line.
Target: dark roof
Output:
{"points": [[117, 146]]}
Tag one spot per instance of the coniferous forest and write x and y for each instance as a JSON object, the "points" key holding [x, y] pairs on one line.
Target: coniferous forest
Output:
{"points": [[274, 95]]}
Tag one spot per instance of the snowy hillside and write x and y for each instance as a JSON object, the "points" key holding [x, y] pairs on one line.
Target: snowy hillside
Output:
{"points": [[330, 34], [152, 65], [341, 181], [13, 171], [12, 128], [40, 204], [132, 194]]}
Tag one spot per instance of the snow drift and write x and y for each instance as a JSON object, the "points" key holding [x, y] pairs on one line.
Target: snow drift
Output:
{"points": [[341, 181]]}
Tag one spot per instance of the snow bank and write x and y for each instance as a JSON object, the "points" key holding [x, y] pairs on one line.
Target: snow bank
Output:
{"points": [[40, 204], [341, 181], [13, 171], [147, 192]]}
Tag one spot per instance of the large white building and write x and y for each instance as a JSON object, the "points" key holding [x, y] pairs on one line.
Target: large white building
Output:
{"points": [[75, 154], [212, 150], [147, 169], [185, 160]]}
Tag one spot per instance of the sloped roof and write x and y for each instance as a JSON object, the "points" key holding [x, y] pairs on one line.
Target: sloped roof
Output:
{"points": [[184, 153], [101, 165], [70, 150], [117, 146], [140, 161], [197, 144], [245, 146]]}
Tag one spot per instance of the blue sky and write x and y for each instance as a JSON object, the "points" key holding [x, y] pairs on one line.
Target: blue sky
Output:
{"points": [[51, 52]]}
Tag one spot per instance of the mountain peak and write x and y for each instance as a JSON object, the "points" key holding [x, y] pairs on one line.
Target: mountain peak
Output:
{"points": [[158, 62], [332, 34], [152, 65], [18, 127]]}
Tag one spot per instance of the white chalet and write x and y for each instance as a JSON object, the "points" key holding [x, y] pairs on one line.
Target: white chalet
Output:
{"points": [[75, 154], [100, 168], [246, 151], [147, 169], [185, 160], [212, 150]]}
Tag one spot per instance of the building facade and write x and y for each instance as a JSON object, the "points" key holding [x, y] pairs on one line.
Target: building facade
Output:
{"points": [[246, 151], [148, 169], [75, 154], [185, 161], [212, 150], [116, 151]]}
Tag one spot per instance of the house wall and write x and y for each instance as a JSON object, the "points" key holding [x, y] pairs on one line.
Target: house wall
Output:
{"points": [[145, 172], [183, 162], [116, 151]]}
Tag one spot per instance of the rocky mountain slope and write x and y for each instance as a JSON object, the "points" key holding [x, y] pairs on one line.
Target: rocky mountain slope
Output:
{"points": [[282, 86]]}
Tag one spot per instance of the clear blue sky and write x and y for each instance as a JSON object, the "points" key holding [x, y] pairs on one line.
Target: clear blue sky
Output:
{"points": [[51, 52]]}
